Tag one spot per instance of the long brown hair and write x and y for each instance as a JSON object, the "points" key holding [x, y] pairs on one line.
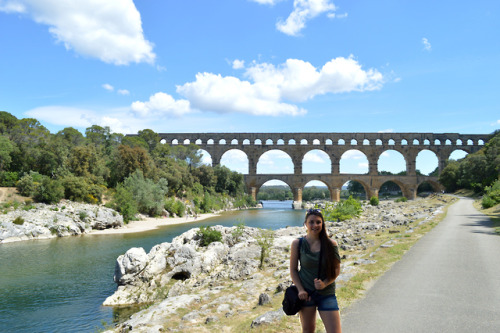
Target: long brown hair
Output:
{"points": [[329, 258]]}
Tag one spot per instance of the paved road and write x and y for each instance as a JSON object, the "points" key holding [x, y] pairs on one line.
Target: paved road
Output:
{"points": [[448, 282]]}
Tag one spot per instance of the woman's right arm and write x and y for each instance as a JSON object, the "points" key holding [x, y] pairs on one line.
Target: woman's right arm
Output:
{"points": [[294, 269]]}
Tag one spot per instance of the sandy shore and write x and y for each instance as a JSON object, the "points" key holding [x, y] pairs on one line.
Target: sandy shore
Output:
{"points": [[152, 223]]}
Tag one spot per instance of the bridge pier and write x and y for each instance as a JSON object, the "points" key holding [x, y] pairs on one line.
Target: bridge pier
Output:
{"points": [[297, 198], [335, 194]]}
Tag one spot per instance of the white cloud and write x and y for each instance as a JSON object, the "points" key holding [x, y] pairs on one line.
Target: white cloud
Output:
{"points": [[267, 2], [219, 94], [108, 87], [123, 92], [427, 45], [314, 157], [363, 165], [270, 87], [110, 31], [298, 80], [238, 64], [235, 156], [303, 11], [161, 104], [353, 155]]}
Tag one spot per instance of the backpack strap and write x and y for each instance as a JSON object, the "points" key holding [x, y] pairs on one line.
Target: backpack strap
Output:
{"points": [[300, 245]]}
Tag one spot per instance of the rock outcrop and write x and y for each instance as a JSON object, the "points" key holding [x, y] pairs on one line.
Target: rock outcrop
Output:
{"points": [[67, 218]]}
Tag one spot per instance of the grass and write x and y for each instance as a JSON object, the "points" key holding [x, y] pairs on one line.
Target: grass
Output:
{"points": [[493, 213]]}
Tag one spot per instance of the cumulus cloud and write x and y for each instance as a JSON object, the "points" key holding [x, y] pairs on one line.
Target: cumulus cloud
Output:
{"points": [[110, 31], [108, 87], [427, 45], [161, 104], [303, 11], [220, 94], [298, 80], [238, 64], [267, 2], [269, 88], [314, 157], [353, 155]]}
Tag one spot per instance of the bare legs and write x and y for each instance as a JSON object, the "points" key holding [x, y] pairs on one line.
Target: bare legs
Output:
{"points": [[331, 320]]}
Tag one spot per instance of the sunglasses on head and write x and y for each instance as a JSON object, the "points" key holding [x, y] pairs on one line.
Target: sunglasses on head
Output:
{"points": [[313, 211]]}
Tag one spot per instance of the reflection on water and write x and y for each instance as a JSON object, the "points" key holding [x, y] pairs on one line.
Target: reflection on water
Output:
{"points": [[58, 285]]}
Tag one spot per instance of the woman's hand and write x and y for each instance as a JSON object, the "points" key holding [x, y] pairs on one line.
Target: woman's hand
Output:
{"points": [[303, 295], [319, 284]]}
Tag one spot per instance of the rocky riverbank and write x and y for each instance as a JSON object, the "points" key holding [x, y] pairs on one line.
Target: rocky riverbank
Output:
{"points": [[67, 218], [189, 287]]}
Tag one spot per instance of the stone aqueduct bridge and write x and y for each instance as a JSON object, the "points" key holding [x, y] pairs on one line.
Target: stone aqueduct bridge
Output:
{"points": [[296, 145]]}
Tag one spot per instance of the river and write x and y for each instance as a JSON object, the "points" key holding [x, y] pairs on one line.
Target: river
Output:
{"points": [[59, 285]]}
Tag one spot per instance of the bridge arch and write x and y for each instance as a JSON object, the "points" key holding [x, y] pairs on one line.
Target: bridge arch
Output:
{"points": [[267, 162], [316, 161], [354, 160]]}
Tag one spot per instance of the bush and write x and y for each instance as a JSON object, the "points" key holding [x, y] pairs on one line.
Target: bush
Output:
{"points": [[402, 199], [149, 196], [26, 186], [343, 210], [265, 242], [8, 179], [208, 235], [18, 220], [238, 232], [49, 191], [492, 196], [374, 201], [123, 202], [487, 202]]}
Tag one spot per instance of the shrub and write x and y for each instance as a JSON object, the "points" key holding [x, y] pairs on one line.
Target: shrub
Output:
{"points": [[18, 220], [49, 191], [8, 179], [238, 232], [148, 195], [492, 196], [209, 235], [343, 210], [265, 242], [82, 215], [374, 201], [123, 202], [26, 186], [487, 202], [402, 199], [179, 208]]}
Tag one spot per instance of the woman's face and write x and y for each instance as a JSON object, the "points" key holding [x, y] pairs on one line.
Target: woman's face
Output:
{"points": [[314, 224]]}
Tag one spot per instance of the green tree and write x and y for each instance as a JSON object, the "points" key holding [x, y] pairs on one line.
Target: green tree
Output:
{"points": [[151, 138], [6, 148]]}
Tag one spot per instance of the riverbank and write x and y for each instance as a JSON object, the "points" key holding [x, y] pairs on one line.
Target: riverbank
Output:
{"points": [[151, 223], [225, 287]]}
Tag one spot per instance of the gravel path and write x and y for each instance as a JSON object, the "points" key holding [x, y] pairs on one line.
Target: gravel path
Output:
{"points": [[448, 282]]}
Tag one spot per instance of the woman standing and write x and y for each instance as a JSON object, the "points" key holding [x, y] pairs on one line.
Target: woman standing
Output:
{"points": [[316, 292]]}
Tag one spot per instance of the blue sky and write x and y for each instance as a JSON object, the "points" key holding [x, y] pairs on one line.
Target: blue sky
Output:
{"points": [[252, 65]]}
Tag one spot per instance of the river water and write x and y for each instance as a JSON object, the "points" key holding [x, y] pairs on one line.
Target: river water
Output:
{"points": [[59, 285]]}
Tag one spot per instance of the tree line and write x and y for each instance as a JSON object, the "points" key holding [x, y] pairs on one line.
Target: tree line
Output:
{"points": [[479, 172], [135, 173]]}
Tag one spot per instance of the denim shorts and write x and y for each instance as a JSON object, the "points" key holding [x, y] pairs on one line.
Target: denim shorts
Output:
{"points": [[323, 302]]}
